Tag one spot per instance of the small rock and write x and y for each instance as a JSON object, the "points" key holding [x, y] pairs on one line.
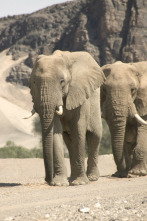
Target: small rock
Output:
{"points": [[84, 210], [47, 216], [144, 201], [139, 215], [127, 207], [97, 205], [125, 201], [134, 211], [10, 218]]}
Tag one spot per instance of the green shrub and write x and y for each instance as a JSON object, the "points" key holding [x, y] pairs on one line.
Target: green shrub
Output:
{"points": [[11, 150], [105, 145]]}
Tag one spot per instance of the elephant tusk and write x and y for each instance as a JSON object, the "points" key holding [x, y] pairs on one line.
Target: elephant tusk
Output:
{"points": [[30, 114], [140, 120], [60, 111]]}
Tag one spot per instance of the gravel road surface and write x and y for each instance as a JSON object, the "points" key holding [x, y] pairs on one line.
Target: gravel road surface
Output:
{"points": [[24, 195]]}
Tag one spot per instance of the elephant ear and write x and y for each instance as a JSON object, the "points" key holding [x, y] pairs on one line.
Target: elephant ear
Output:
{"points": [[141, 98], [106, 69], [86, 77]]}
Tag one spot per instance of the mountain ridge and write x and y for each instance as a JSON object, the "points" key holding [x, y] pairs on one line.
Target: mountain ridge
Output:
{"points": [[109, 29]]}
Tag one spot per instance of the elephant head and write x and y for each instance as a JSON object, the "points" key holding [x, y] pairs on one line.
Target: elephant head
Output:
{"points": [[61, 81], [123, 99]]}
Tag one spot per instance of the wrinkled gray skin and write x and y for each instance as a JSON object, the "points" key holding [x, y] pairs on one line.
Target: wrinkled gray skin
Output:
{"points": [[123, 95], [71, 80]]}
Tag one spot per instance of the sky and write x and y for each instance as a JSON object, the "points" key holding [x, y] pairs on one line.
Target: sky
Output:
{"points": [[17, 7]]}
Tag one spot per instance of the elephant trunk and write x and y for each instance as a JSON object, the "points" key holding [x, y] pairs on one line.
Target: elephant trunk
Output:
{"points": [[46, 109], [120, 108], [117, 113], [47, 101], [117, 129], [47, 141]]}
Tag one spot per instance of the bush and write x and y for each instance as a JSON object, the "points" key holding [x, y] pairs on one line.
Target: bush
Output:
{"points": [[105, 145], [11, 150]]}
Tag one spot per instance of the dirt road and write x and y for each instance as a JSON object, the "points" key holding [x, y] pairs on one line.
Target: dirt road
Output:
{"points": [[24, 196]]}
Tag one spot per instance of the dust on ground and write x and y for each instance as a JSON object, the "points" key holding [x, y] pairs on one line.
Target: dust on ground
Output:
{"points": [[24, 195]]}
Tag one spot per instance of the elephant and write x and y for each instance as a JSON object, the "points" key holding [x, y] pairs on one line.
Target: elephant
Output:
{"points": [[65, 89], [124, 107]]}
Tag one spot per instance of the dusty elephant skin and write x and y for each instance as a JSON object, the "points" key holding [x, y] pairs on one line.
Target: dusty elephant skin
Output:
{"points": [[66, 95], [124, 106]]}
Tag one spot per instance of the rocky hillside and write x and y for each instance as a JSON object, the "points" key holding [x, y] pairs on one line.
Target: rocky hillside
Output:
{"points": [[109, 29]]}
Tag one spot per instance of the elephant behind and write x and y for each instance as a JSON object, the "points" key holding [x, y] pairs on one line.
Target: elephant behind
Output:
{"points": [[124, 107], [65, 89]]}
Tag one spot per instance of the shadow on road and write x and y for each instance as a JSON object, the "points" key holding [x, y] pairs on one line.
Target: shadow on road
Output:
{"points": [[9, 184]]}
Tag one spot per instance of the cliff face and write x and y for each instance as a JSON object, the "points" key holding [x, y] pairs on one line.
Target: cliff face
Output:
{"points": [[108, 29], [123, 29]]}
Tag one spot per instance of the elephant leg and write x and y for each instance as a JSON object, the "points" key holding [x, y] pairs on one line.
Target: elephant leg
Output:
{"points": [[93, 137], [139, 164], [60, 174], [67, 140], [128, 155], [129, 144], [78, 174], [93, 142]]}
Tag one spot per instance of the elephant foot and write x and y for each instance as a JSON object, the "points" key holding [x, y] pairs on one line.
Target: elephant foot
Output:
{"points": [[138, 170], [120, 174], [59, 180], [79, 181], [93, 175]]}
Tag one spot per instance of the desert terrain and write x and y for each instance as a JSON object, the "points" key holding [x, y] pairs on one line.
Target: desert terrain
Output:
{"points": [[24, 195], [15, 103]]}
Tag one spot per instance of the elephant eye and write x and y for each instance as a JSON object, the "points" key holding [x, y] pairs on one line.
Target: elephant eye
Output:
{"points": [[133, 90], [62, 82]]}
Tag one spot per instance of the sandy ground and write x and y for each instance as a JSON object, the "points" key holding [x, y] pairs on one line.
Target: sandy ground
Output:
{"points": [[15, 102], [24, 196]]}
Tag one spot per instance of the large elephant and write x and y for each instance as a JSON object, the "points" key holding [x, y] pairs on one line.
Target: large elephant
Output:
{"points": [[65, 89], [124, 107]]}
